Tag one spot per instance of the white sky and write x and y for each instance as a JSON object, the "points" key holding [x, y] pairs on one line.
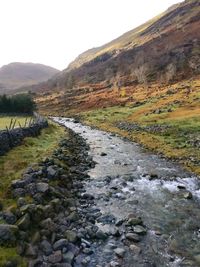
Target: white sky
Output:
{"points": [[54, 32]]}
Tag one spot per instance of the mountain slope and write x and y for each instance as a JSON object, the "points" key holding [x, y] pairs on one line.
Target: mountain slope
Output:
{"points": [[173, 35], [15, 75], [163, 51]]}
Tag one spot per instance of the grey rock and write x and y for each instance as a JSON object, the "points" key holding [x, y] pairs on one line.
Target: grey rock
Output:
{"points": [[101, 235], [48, 224], [19, 192], [18, 183], [31, 251], [9, 217], [51, 172], [119, 222], [21, 202], [187, 195], [138, 229], [87, 251], [8, 233], [71, 236], [132, 237], [120, 252], [86, 260], [60, 244], [31, 189], [29, 208], [73, 217], [46, 247], [114, 264], [42, 187], [135, 249], [56, 257], [68, 257], [133, 220]]}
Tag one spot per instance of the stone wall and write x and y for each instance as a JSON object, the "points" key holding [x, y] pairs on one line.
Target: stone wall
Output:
{"points": [[14, 137]]}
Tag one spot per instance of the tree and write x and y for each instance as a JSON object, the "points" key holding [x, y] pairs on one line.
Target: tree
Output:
{"points": [[21, 103]]}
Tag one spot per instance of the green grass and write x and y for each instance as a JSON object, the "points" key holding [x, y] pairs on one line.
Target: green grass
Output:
{"points": [[174, 142], [5, 121], [31, 151], [111, 114], [10, 254]]}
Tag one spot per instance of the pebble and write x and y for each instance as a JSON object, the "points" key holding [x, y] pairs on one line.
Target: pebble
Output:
{"points": [[120, 252], [132, 237], [135, 249]]}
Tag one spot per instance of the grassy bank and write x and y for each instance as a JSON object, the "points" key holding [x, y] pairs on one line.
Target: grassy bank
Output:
{"points": [[32, 150], [168, 124], [12, 166]]}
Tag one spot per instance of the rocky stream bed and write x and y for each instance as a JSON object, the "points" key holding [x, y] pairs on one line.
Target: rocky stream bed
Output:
{"points": [[101, 201], [148, 207]]}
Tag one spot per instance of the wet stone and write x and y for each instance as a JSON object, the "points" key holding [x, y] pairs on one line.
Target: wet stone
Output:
{"points": [[139, 230], [120, 252], [187, 195], [101, 235], [86, 260], [135, 249], [132, 237], [134, 221], [114, 264], [119, 222]]}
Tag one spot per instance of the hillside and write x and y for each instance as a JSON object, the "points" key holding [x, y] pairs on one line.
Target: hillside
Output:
{"points": [[15, 75], [162, 51]]}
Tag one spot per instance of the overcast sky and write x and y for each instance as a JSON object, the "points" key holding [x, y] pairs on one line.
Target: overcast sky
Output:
{"points": [[54, 32]]}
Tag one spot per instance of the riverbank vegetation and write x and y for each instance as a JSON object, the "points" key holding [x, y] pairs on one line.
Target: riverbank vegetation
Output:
{"points": [[31, 151], [168, 124]]}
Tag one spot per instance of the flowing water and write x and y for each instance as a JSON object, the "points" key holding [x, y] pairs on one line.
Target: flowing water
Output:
{"points": [[149, 186]]}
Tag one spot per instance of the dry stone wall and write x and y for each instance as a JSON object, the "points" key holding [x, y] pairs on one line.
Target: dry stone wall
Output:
{"points": [[14, 137]]}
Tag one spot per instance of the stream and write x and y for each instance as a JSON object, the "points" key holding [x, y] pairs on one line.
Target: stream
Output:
{"points": [[127, 179]]}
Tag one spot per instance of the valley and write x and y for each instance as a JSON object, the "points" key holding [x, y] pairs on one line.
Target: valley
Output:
{"points": [[100, 162]]}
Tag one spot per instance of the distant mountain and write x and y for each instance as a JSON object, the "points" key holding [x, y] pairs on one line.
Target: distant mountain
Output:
{"points": [[15, 75]]}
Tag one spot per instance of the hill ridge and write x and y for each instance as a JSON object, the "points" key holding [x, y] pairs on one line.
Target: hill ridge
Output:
{"points": [[18, 74]]}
